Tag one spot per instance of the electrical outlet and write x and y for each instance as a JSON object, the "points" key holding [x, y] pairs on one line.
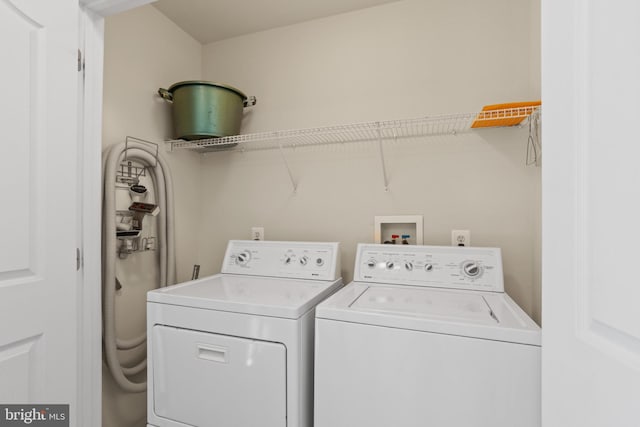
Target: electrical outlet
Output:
{"points": [[257, 233], [460, 238]]}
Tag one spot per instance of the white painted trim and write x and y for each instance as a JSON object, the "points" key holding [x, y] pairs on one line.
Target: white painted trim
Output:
{"points": [[111, 7], [91, 19], [90, 386]]}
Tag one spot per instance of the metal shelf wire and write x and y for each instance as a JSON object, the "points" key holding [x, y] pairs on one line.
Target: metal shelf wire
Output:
{"points": [[424, 127], [446, 124]]}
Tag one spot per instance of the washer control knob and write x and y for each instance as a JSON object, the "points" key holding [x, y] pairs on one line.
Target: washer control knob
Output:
{"points": [[471, 269], [304, 260], [319, 262], [389, 265], [408, 265], [428, 267], [243, 258], [287, 259], [371, 263]]}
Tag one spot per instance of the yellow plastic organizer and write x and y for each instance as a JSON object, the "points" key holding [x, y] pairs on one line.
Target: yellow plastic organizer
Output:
{"points": [[509, 114]]}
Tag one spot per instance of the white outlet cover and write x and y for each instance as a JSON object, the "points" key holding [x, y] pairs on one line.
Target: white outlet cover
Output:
{"points": [[257, 233], [460, 237]]}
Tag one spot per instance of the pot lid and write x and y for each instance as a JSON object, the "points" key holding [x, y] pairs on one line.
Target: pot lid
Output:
{"points": [[174, 86]]}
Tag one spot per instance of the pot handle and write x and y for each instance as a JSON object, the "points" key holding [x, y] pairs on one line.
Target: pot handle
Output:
{"points": [[250, 101], [165, 94]]}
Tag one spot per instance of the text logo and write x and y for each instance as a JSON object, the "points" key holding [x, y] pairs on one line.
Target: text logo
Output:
{"points": [[34, 415]]}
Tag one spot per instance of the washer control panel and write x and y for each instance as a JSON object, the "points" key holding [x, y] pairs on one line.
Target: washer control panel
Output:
{"points": [[301, 260], [431, 266]]}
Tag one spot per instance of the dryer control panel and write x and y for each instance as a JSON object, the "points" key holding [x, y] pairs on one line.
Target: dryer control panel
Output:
{"points": [[431, 266], [300, 260]]}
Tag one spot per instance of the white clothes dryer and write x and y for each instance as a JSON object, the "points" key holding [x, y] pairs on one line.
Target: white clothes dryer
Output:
{"points": [[426, 336], [236, 349]]}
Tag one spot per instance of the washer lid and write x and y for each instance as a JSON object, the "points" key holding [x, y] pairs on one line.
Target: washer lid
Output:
{"points": [[451, 306], [265, 296], [475, 314]]}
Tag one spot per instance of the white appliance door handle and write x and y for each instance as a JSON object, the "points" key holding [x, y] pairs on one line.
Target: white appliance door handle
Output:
{"points": [[212, 353]]}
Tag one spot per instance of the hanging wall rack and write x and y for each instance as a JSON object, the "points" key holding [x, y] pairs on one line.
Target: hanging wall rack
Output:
{"points": [[129, 172]]}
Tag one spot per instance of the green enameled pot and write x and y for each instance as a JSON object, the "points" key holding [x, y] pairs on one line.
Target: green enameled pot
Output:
{"points": [[206, 110]]}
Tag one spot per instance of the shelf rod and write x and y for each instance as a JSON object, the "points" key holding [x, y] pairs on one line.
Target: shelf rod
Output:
{"points": [[382, 162], [286, 164]]}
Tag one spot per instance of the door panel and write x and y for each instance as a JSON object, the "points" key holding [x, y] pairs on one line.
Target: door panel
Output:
{"points": [[610, 178], [38, 166], [19, 361], [201, 378], [21, 43], [591, 321]]}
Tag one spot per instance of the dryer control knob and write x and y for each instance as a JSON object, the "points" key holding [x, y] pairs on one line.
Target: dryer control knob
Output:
{"points": [[243, 258], [472, 269], [390, 265], [428, 267], [408, 265], [371, 263], [304, 260], [319, 262]]}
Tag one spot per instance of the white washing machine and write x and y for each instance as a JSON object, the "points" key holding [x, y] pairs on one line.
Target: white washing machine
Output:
{"points": [[236, 348], [426, 336]]}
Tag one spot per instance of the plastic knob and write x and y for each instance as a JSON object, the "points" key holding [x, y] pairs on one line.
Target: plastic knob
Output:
{"points": [[287, 259], [428, 267], [408, 266], [471, 269], [243, 258], [304, 260], [390, 265], [371, 263], [319, 262]]}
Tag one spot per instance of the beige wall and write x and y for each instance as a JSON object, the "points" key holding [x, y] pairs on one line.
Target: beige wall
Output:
{"points": [[145, 51], [400, 60], [406, 59]]}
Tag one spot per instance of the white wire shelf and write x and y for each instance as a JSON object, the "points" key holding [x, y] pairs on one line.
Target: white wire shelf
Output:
{"points": [[446, 124]]}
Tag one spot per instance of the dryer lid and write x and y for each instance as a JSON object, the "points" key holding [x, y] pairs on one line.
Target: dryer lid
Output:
{"points": [[265, 296]]}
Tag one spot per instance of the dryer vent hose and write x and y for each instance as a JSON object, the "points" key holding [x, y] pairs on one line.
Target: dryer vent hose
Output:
{"points": [[160, 175]]}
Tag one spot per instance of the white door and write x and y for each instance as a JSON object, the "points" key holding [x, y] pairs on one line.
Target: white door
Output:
{"points": [[38, 309], [591, 213], [201, 378]]}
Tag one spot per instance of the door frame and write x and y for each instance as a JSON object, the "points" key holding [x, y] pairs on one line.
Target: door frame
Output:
{"points": [[91, 44]]}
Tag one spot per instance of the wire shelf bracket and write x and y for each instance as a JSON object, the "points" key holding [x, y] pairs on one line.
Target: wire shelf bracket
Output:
{"points": [[382, 162], [286, 165]]}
